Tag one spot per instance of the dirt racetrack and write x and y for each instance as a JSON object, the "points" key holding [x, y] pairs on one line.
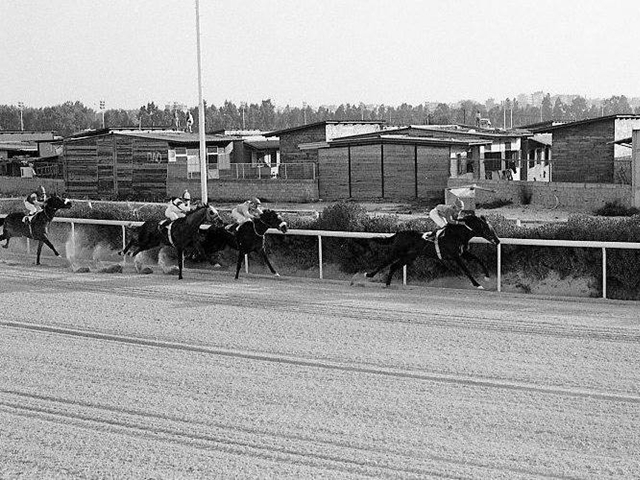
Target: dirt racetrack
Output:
{"points": [[145, 376]]}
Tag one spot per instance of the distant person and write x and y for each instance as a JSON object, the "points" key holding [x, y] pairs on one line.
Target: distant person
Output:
{"points": [[478, 117], [189, 122]]}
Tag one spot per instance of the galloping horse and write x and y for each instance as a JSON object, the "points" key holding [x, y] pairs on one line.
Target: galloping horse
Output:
{"points": [[181, 233], [37, 228], [448, 244], [248, 238]]}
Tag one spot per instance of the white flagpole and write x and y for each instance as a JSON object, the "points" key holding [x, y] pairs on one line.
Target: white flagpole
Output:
{"points": [[201, 123]]}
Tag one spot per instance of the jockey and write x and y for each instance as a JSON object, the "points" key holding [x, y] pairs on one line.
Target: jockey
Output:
{"points": [[444, 215], [175, 210], [34, 202], [244, 212], [186, 200]]}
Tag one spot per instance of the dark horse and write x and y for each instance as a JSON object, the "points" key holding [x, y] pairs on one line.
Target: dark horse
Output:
{"points": [[37, 228], [248, 238], [448, 244], [182, 234]]}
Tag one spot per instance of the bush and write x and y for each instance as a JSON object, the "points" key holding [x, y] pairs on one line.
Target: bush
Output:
{"points": [[616, 209], [525, 195], [500, 202]]}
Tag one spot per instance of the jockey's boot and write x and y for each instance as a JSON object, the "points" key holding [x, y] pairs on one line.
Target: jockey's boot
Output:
{"points": [[231, 228]]}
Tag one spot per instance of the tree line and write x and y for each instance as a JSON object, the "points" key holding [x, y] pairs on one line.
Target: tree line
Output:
{"points": [[73, 117]]}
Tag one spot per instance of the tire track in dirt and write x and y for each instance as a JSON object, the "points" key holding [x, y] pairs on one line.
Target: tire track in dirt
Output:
{"points": [[230, 296], [311, 362], [328, 454]]}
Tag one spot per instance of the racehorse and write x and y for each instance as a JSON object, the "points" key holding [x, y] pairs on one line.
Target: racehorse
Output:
{"points": [[181, 233], [36, 228], [249, 237], [448, 244]]}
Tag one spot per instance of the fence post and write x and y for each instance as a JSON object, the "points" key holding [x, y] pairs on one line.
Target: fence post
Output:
{"points": [[246, 263], [604, 272], [73, 239], [320, 255], [404, 275], [499, 268]]}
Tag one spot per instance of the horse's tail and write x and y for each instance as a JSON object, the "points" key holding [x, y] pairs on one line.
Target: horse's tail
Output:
{"points": [[1, 220], [384, 240]]}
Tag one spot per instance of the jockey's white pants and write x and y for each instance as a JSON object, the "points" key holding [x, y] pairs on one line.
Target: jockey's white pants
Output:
{"points": [[435, 216], [238, 217]]}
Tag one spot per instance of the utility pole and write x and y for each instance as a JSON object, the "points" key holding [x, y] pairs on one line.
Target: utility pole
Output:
{"points": [[102, 110], [201, 123], [21, 107]]}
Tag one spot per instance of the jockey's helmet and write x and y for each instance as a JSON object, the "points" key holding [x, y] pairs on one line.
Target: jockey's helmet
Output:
{"points": [[459, 204], [41, 190], [186, 195], [255, 201]]}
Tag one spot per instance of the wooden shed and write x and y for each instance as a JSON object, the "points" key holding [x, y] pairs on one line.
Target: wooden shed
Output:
{"points": [[392, 167], [136, 164], [326, 130], [585, 151]]}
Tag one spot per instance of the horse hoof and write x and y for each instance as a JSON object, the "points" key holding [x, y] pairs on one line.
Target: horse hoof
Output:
{"points": [[276, 274], [487, 278], [480, 287], [354, 278]]}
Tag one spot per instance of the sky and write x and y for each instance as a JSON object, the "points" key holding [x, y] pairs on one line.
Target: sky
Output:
{"points": [[321, 52]]}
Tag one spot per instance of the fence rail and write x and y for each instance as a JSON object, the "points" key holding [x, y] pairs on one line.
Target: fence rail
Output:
{"points": [[319, 234]]}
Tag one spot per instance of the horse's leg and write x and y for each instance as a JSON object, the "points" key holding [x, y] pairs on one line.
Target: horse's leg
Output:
{"points": [[128, 246], [50, 245], [381, 266], [467, 255], [239, 263], [6, 237], [39, 250], [266, 260], [466, 271], [393, 269], [180, 262]]}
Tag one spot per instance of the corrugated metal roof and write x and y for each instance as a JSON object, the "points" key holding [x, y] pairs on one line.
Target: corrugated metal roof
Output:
{"points": [[175, 136], [18, 146], [171, 136], [262, 144], [403, 139], [324, 122], [620, 116]]}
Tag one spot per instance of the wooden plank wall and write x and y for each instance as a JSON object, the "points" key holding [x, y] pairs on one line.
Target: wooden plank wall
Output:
{"points": [[105, 163], [149, 175], [433, 172], [333, 173], [81, 167], [366, 179], [399, 172]]}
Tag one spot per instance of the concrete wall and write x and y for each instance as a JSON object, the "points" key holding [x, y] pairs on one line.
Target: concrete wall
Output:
{"points": [[273, 190], [18, 187], [579, 197]]}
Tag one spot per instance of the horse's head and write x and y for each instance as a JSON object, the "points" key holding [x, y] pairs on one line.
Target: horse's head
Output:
{"points": [[54, 202], [273, 219], [481, 228], [212, 214]]}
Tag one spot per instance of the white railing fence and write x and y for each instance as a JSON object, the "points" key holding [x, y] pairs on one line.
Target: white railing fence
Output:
{"points": [[319, 234]]}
